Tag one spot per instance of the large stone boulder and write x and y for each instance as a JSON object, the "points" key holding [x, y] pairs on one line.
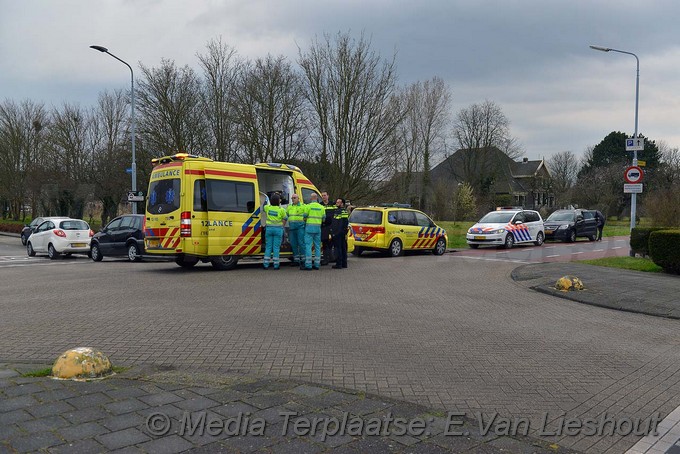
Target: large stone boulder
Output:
{"points": [[568, 283], [81, 363]]}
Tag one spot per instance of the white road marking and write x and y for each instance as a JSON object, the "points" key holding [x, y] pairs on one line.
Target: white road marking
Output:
{"points": [[618, 247], [549, 256], [598, 250]]}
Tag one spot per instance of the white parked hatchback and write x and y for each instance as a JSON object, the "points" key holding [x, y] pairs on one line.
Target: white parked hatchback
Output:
{"points": [[57, 236], [506, 228]]}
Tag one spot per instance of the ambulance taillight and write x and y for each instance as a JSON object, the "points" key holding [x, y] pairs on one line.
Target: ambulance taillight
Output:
{"points": [[185, 224]]}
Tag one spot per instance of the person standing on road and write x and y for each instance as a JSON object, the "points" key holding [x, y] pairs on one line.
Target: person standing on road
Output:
{"points": [[276, 216], [600, 224], [326, 239], [314, 214], [296, 229], [339, 228]]}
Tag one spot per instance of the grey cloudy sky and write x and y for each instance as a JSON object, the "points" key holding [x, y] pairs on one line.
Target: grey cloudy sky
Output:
{"points": [[531, 57]]}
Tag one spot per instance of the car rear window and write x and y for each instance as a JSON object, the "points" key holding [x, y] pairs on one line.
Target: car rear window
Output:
{"points": [[73, 224], [562, 216], [370, 217]]}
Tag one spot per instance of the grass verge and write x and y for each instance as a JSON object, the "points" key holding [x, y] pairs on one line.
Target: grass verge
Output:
{"points": [[46, 372], [626, 263]]}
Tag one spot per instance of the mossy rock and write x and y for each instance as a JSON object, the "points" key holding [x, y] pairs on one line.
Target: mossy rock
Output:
{"points": [[568, 283], [81, 363]]}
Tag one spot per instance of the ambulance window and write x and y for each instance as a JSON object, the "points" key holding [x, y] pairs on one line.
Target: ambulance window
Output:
{"points": [[423, 221], [200, 196], [406, 218], [370, 217], [163, 196], [307, 195], [232, 196]]}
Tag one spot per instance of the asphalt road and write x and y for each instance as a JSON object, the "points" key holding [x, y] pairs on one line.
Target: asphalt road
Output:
{"points": [[553, 251], [451, 332]]}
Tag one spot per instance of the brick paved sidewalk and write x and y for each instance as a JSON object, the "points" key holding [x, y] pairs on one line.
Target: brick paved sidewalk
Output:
{"points": [[625, 290], [129, 411]]}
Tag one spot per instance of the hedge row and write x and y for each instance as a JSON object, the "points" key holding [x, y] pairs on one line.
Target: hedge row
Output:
{"points": [[11, 228], [664, 249], [639, 239]]}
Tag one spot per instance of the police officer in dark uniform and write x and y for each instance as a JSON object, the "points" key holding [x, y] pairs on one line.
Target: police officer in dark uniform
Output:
{"points": [[326, 239], [339, 227]]}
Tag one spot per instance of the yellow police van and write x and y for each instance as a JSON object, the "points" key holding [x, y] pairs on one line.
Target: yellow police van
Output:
{"points": [[198, 209]]}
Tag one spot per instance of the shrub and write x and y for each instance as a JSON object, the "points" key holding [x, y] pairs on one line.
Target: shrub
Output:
{"points": [[639, 239], [11, 228], [664, 249]]}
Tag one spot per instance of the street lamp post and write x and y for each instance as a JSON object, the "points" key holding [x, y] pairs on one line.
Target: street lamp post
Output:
{"points": [[132, 120], [633, 196]]}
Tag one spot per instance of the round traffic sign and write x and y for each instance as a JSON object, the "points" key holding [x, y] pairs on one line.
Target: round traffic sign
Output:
{"points": [[633, 175]]}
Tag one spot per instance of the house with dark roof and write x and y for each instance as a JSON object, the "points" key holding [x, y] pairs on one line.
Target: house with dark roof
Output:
{"points": [[492, 172]]}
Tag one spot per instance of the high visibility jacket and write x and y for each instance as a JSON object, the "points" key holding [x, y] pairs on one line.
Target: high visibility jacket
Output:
{"points": [[340, 222], [314, 213], [275, 216], [296, 215]]}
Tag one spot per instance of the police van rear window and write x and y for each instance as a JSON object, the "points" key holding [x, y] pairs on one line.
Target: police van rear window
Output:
{"points": [[369, 217], [163, 196]]}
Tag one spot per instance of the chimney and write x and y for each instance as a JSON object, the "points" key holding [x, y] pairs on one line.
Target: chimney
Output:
{"points": [[525, 160]]}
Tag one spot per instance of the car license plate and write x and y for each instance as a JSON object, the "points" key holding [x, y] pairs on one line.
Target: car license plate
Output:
{"points": [[78, 244], [480, 238], [547, 232], [154, 243]]}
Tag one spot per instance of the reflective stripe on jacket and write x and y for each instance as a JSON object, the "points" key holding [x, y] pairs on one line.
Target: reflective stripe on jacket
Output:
{"points": [[314, 213], [275, 216]]}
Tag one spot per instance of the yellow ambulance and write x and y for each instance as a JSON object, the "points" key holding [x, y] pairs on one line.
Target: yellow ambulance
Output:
{"points": [[198, 209]]}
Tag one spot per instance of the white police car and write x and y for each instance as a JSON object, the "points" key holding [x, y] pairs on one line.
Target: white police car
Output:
{"points": [[507, 227]]}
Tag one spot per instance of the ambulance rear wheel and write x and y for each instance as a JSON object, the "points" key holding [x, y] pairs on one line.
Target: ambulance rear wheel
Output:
{"points": [[357, 251], [396, 249], [225, 262], [186, 262]]}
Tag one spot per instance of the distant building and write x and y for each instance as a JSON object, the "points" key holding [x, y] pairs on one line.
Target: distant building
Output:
{"points": [[490, 171]]}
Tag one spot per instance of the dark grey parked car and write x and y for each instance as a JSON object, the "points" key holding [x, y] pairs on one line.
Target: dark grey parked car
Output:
{"points": [[567, 225], [30, 228], [121, 237]]}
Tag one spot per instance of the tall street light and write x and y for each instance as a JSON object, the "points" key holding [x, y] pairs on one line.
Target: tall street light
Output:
{"points": [[132, 115], [633, 196]]}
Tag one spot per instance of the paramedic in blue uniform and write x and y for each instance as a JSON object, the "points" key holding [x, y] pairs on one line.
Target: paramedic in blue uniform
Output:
{"points": [[339, 227], [296, 229], [276, 216], [315, 213]]}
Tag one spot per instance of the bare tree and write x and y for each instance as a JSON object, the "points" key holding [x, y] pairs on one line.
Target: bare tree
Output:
{"points": [[113, 153], [171, 108], [21, 153], [221, 71], [482, 126], [563, 168], [349, 88], [71, 145], [269, 108], [420, 136]]}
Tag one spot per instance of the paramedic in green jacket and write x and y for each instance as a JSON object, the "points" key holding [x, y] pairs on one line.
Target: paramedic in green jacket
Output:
{"points": [[315, 214], [276, 216], [296, 229]]}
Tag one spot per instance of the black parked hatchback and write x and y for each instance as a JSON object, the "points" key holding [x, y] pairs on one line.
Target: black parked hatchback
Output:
{"points": [[567, 225], [124, 236]]}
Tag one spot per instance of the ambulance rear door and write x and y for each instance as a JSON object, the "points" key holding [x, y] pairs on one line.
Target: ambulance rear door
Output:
{"points": [[162, 231], [233, 215]]}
